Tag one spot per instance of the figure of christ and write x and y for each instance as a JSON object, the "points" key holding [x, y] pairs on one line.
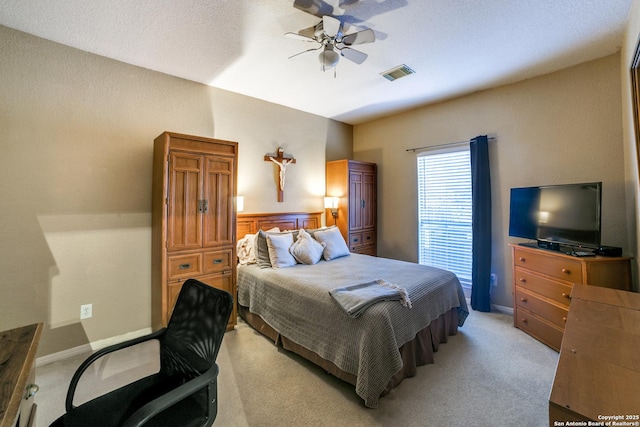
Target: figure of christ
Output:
{"points": [[283, 169]]}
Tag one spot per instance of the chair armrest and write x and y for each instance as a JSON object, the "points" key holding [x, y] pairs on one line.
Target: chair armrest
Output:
{"points": [[100, 353], [156, 406]]}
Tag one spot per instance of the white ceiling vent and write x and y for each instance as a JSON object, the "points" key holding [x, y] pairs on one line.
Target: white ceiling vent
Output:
{"points": [[397, 72]]}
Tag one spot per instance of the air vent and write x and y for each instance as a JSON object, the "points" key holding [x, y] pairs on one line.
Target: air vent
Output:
{"points": [[397, 72]]}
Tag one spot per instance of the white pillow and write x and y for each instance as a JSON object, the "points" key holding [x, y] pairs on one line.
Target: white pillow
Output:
{"points": [[306, 249], [335, 246], [279, 245]]}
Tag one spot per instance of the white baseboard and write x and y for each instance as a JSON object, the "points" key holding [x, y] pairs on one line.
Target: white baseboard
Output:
{"points": [[502, 309], [90, 347], [495, 307]]}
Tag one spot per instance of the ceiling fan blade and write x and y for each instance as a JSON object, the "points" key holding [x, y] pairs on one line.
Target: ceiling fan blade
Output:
{"points": [[360, 37], [317, 8], [353, 55], [299, 36], [331, 25], [305, 51]]}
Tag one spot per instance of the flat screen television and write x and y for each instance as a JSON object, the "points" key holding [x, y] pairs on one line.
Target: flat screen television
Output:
{"points": [[554, 215]]}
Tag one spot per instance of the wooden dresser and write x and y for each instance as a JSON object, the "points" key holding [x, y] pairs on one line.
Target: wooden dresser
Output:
{"points": [[598, 372], [17, 375], [193, 218], [354, 182], [542, 283]]}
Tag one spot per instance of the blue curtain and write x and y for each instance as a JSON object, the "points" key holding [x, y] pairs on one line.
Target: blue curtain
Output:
{"points": [[481, 224]]}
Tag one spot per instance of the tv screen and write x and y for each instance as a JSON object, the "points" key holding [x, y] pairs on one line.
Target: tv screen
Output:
{"points": [[566, 214]]}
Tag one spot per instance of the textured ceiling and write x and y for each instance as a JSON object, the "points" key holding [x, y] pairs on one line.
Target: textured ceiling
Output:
{"points": [[455, 47]]}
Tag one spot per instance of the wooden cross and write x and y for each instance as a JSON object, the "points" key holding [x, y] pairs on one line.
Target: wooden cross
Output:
{"points": [[282, 163]]}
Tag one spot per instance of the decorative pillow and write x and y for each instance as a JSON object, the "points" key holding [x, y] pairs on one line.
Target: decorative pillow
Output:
{"points": [[245, 250], [279, 245], [306, 249], [312, 231], [260, 247], [335, 246]]}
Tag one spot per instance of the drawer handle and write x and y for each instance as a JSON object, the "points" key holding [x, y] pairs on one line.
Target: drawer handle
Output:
{"points": [[523, 280], [566, 271], [368, 237], [217, 261], [32, 389], [355, 240], [566, 295], [185, 266], [523, 299], [564, 319], [525, 320], [522, 259]]}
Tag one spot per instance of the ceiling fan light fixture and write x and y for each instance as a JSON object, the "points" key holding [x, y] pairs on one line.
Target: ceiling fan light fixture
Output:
{"points": [[328, 58], [397, 72]]}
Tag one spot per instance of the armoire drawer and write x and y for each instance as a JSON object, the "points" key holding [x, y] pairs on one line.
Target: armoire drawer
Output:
{"points": [[184, 266], [551, 312], [556, 291], [217, 261], [355, 239], [562, 268]]}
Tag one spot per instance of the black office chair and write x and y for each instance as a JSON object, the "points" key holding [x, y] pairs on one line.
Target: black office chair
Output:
{"points": [[184, 390]]}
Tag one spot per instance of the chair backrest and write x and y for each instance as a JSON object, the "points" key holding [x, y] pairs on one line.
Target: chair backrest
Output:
{"points": [[192, 340]]}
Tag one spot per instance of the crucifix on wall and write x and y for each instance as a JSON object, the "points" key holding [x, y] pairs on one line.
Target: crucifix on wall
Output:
{"points": [[282, 162]]}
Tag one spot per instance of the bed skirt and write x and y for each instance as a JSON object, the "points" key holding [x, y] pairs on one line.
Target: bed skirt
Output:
{"points": [[417, 352]]}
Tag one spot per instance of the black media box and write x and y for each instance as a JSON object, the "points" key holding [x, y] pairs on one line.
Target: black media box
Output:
{"points": [[608, 251], [548, 245]]}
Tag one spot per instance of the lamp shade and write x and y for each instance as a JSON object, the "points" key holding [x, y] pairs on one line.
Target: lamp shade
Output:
{"points": [[331, 202]]}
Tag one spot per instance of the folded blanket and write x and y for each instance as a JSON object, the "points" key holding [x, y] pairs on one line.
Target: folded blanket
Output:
{"points": [[355, 299]]}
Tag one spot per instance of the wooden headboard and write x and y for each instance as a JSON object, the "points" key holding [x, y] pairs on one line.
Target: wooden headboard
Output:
{"points": [[251, 223]]}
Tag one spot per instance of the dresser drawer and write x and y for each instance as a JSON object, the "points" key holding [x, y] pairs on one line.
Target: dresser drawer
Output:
{"points": [[556, 291], [368, 237], [217, 261], [364, 250], [555, 266], [184, 266], [551, 312], [355, 239], [539, 329]]}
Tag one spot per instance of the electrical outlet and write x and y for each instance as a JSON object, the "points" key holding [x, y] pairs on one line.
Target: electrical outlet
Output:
{"points": [[86, 311], [494, 280]]}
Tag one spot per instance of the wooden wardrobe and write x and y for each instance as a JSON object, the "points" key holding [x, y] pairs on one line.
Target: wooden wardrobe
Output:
{"points": [[354, 182], [193, 218]]}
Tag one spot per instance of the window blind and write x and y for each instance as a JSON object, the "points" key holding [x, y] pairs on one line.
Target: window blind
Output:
{"points": [[444, 211]]}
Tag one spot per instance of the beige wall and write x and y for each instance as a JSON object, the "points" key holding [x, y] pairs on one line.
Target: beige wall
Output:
{"points": [[75, 188], [560, 128], [631, 40]]}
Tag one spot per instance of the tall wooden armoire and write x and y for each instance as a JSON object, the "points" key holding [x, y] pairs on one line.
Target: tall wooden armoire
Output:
{"points": [[193, 218], [354, 182]]}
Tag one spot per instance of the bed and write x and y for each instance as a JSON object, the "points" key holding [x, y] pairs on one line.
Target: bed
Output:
{"points": [[374, 351]]}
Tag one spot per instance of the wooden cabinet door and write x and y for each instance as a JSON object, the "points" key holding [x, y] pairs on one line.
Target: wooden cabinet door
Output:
{"points": [[356, 200], [218, 192], [368, 210], [362, 200], [184, 228]]}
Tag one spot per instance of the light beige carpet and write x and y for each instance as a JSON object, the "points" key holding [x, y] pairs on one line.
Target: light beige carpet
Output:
{"points": [[489, 374]]}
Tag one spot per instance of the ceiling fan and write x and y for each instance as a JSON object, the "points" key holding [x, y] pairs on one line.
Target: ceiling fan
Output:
{"points": [[333, 43]]}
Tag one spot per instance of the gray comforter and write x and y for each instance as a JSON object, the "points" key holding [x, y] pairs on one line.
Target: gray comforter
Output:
{"points": [[295, 301]]}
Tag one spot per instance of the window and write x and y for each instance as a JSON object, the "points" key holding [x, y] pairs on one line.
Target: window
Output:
{"points": [[444, 211]]}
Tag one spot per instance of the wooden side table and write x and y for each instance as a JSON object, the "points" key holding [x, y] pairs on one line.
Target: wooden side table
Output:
{"points": [[17, 375]]}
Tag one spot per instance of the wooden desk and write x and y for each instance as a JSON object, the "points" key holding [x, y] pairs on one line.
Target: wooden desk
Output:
{"points": [[598, 372], [17, 375]]}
